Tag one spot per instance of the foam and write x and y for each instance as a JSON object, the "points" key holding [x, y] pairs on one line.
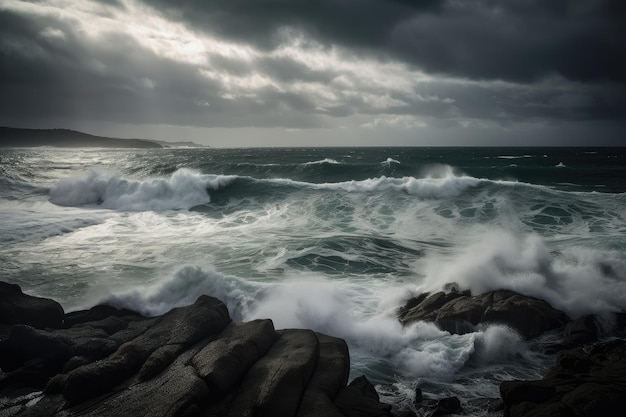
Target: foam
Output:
{"points": [[184, 189], [337, 308], [574, 280], [323, 161], [341, 310], [183, 288], [496, 343]]}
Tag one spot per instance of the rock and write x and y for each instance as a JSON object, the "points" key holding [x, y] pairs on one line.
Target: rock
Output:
{"points": [[19, 308], [459, 312], [580, 332], [223, 362], [26, 343], [330, 375], [181, 326], [419, 396], [190, 362], [97, 314], [276, 382], [584, 382], [445, 406], [360, 399]]}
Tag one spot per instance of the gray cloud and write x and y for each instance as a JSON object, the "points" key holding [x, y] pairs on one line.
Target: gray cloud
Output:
{"points": [[329, 64], [480, 39]]}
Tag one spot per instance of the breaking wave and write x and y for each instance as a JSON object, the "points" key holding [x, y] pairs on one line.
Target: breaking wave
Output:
{"points": [[183, 190]]}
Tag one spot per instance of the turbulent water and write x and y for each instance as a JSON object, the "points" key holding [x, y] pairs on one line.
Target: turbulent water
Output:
{"points": [[333, 239]]}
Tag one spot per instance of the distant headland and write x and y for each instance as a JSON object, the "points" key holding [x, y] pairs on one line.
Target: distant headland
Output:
{"points": [[66, 138]]}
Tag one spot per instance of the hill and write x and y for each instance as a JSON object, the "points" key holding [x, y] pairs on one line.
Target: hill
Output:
{"points": [[65, 138]]}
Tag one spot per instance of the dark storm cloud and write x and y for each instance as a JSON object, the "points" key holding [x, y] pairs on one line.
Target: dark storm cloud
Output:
{"points": [[51, 74], [307, 64], [512, 40]]}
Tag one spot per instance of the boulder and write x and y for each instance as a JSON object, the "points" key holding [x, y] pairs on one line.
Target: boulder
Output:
{"points": [[329, 377], [458, 312], [177, 329], [584, 382], [360, 399], [277, 381], [19, 308], [190, 362], [577, 333], [445, 406], [223, 362]]}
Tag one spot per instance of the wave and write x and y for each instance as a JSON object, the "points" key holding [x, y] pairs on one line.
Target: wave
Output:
{"points": [[337, 308], [576, 280], [514, 156], [183, 190], [184, 288], [323, 161]]}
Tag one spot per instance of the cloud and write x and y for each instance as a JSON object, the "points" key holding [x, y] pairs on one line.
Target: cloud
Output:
{"points": [[369, 65]]}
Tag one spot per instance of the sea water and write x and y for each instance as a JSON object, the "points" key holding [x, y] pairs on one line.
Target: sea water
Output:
{"points": [[332, 239]]}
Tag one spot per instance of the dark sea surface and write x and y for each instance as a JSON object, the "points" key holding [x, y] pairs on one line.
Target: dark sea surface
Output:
{"points": [[333, 239]]}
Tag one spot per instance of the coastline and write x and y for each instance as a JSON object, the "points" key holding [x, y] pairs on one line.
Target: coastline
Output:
{"points": [[65, 138], [195, 361]]}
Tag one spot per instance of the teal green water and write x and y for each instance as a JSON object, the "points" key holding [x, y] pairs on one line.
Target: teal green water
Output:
{"points": [[333, 239]]}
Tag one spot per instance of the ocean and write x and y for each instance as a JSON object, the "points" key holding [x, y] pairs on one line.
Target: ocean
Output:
{"points": [[332, 239]]}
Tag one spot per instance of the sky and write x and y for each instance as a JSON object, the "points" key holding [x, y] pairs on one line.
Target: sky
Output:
{"points": [[231, 73]]}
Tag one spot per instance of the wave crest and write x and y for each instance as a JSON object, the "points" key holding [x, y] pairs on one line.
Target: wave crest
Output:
{"points": [[183, 190]]}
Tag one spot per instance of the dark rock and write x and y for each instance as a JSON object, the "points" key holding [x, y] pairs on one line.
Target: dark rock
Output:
{"points": [[181, 326], [19, 308], [276, 382], [584, 382], [223, 362], [97, 314], [175, 392], [459, 312], [580, 332], [418, 395], [445, 406], [360, 399], [26, 343], [330, 375], [191, 362]]}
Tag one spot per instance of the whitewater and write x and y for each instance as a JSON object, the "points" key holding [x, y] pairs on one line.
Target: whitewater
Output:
{"points": [[332, 239]]}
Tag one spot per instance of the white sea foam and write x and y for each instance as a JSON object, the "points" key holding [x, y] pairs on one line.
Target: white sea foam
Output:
{"points": [[514, 156], [390, 161], [420, 187], [184, 288], [578, 281], [184, 189], [495, 343], [340, 309], [323, 161]]}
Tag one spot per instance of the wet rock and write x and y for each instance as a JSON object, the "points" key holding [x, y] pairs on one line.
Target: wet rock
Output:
{"points": [[577, 333], [584, 382], [459, 312], [26, 343], [181, 326], [360, 399], [445, 406], [330, 375], [276, 382], [19, 308], [223, 362], [190, 362]]}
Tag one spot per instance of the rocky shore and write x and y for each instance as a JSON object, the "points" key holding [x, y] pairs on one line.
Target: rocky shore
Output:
{"points": [[195, 361], [589, 376]]}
